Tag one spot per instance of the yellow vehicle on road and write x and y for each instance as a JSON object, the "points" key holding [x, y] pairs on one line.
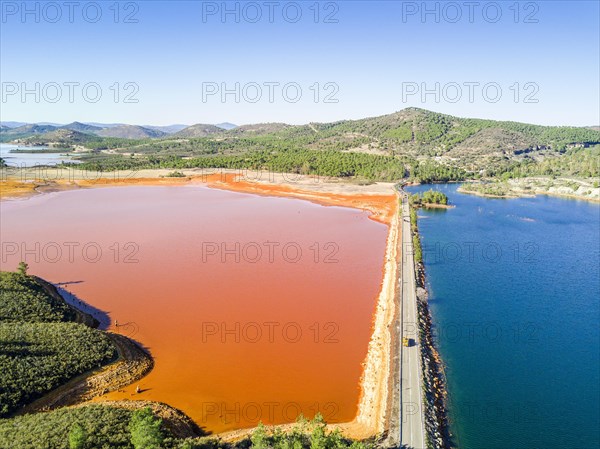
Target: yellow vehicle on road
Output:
{"points": [[405, 341]]}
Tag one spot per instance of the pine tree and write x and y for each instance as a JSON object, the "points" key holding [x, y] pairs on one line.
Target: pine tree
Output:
{"points": [[77, 437], [22, 268], [145, 430], [318, 438]]}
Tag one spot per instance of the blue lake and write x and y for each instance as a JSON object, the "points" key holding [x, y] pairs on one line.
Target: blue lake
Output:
{"points": [[515, 298], [32, 159]]}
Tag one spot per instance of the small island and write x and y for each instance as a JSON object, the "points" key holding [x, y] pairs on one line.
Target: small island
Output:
{"points": [[430, 199]]}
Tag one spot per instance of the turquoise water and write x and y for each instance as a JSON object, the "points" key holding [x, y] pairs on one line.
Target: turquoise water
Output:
{"points": [[515, 297]]}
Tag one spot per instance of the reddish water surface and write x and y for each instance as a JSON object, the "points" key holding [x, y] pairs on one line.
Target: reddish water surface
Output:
{"points": [[264, 337]]}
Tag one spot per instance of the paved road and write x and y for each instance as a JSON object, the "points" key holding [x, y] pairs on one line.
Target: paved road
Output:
{"points": [[412, 434]]}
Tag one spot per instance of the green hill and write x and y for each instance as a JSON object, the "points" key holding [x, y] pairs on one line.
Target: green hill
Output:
{"points": [[8, 134], [41, 347], [417, 132], [59, 137], [81, 127], [30, 129], [198, 130]]}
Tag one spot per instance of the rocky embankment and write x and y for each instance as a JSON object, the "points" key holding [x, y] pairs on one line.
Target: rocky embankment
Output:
{"points": [[434, 384]]}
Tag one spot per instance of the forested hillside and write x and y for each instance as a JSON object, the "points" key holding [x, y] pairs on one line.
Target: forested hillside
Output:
{"points": [[415, 143], [40, 345], [103, 427]]}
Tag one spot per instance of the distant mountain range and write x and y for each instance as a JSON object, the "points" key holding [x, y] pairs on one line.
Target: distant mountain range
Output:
{"points": [[10, 124], [170, 129], [226, 125], [119, 130], [130, 132]]}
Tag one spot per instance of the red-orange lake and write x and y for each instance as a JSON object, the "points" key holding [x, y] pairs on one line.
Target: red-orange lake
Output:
{"points": [[254, 308]]}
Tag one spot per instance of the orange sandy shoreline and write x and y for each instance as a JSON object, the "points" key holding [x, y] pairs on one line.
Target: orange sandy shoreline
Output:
{"points": [[381, 202], [382, 206]]}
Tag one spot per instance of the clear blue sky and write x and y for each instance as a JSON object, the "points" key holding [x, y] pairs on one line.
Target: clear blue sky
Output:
{"points": [[373, 52]]}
